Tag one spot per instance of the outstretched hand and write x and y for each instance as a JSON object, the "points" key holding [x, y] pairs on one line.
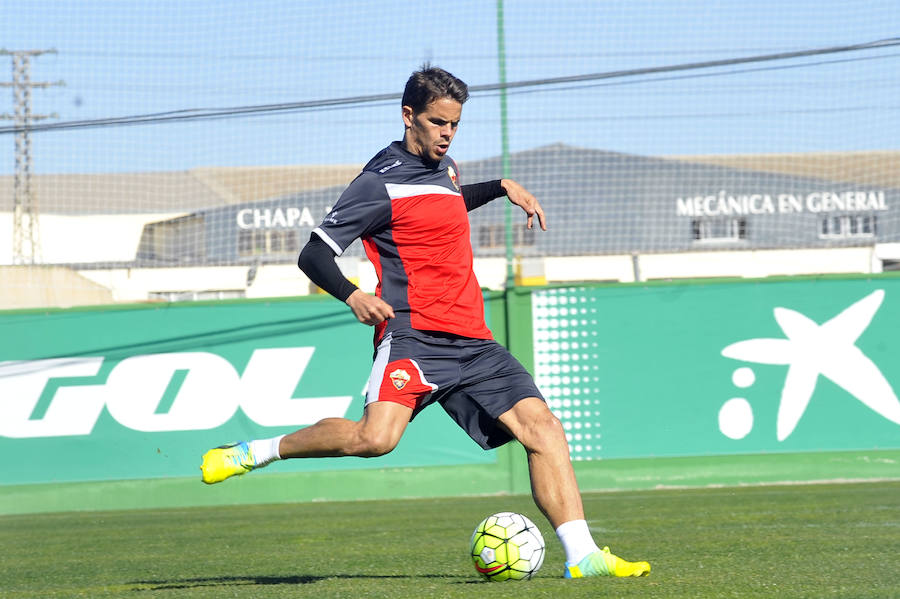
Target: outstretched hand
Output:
{"points": [[521, 197]]}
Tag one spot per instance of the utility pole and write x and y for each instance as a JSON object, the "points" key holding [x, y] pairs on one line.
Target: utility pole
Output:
{"points": [[26, 232]]}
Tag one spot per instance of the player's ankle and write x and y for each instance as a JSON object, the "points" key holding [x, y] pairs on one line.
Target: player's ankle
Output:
{"points": [[576, 539], [265, 451]]}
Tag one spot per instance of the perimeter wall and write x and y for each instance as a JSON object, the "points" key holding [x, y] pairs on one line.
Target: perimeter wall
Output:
{"points": [[658, 384]]}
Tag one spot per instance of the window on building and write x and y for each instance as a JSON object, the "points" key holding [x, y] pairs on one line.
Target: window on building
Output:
{"points": [[494, 236], [251, 242], [289, 242], [847, 226], [525, 236], [719, 229], [255, 242], [245, 242]]}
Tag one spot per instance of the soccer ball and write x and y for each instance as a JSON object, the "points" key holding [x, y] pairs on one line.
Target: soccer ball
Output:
{"points": [[507, 546]]}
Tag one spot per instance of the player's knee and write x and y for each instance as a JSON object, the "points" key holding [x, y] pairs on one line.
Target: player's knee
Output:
{"points": [[542, 431], [375, 443], [549, 425]]}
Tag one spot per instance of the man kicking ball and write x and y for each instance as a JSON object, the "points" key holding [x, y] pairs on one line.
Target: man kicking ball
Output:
{"points": [[432, 342]]}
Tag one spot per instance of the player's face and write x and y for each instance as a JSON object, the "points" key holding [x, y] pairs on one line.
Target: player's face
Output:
{"points": [[429, 133]]}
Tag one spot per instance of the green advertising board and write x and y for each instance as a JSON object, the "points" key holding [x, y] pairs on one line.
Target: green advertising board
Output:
{"points": [[657, 384], [722, 367], [141, 392]]}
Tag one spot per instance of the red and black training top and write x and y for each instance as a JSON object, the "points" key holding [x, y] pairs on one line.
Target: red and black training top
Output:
{"points": [[412, 218]]}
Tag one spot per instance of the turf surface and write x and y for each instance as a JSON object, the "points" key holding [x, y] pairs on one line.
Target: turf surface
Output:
{"points": [[816, 541]]}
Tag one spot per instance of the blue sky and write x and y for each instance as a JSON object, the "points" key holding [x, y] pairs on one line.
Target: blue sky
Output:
{"points": [[121, 58]]}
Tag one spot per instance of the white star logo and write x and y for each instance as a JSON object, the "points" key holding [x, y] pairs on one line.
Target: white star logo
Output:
{"points": [[828, 349]]}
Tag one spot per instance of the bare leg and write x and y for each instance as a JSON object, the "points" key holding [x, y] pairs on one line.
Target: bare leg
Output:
{"points": [[375, 434], [553, 483]]}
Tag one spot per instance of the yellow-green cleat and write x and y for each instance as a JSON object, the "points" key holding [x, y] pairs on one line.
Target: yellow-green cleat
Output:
{"points": [[604, 563], [226, 461]]}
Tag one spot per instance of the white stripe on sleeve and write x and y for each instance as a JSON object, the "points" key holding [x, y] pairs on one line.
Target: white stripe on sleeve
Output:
{"points": [[331, 242]]}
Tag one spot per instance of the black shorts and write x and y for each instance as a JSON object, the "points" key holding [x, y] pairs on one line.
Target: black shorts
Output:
{"points": [[475, 380]]}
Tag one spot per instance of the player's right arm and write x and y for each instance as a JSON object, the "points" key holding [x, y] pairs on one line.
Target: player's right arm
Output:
{"points": [[317, 262], [369, 309], [361, 209]]}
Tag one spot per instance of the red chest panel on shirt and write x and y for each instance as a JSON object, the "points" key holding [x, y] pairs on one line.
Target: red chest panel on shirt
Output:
{"points": [[430, 227], [425, 224]]}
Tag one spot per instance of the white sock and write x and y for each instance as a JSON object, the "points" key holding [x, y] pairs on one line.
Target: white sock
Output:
{"points": [[265, 451], [576, 539]]}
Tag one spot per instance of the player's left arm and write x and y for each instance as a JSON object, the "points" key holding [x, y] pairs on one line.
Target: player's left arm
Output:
{"points": [[522, 198], [479, 194]]}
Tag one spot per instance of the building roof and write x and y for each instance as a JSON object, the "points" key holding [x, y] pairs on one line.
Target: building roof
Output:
{"points": [[208, 187], [870, 167], [171, 192]]}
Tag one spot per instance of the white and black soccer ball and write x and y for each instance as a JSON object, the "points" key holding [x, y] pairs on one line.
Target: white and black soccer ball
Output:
{"points": [[507, 546]]}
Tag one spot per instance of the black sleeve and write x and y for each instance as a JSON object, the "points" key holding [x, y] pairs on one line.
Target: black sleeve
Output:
{"points": [[317, 262], [479, 194]]}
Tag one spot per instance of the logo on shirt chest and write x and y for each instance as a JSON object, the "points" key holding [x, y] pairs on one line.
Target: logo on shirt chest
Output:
{"points": [[453, 177]]}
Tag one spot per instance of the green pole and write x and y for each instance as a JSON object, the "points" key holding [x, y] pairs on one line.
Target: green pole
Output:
{"points": [[510, 456], [504, 140]]}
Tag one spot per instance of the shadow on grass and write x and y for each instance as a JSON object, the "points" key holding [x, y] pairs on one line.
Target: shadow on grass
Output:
{"points": [[190, 583]]}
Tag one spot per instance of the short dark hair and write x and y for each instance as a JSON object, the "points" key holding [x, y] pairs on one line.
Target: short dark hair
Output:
{"points": [[431, 83]]}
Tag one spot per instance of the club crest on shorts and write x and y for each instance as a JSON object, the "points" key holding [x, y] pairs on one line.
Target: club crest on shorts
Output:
{"points": [[399, 377], [453, 178]]}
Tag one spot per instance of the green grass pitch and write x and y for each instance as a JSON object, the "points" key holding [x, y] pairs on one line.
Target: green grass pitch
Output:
{"points": [[816, 541]]}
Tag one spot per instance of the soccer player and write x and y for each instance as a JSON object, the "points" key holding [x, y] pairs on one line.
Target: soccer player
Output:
{"points": [[432, 343]]}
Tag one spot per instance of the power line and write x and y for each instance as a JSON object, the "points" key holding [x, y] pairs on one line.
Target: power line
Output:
{"points": [[380, 58], [711, 115], [716, 74], [196, 114], [886, 43]]}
